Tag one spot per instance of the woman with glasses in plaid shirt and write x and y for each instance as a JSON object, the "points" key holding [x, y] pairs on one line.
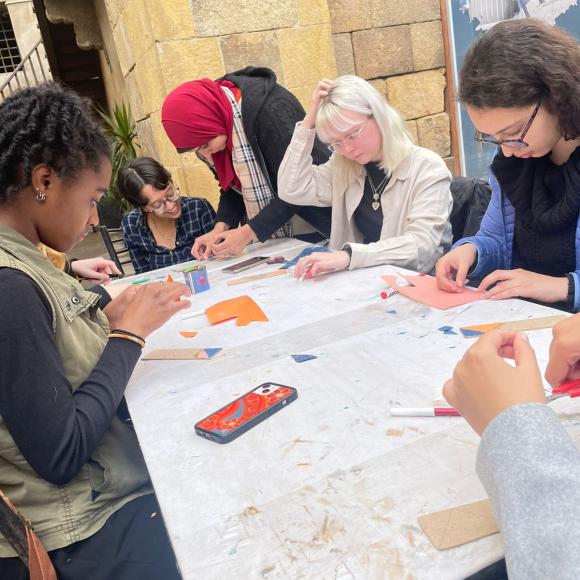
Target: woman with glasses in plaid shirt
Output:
{"points": [[520, 85], [163, 227]]}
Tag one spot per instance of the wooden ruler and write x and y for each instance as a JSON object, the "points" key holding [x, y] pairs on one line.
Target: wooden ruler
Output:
{"points": [[517, 325], [255, 277]]}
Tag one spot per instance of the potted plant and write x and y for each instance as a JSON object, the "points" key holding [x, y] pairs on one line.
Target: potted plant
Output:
{"points": [[122, 131]]}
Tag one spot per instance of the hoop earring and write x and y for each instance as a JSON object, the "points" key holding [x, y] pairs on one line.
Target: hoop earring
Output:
{"points": [[40, 195]]}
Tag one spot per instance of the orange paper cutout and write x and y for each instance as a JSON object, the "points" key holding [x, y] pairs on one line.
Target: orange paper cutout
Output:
{"points": [[425, 291], [483, 328], [242, 308], [169, 279], [186, 334]]}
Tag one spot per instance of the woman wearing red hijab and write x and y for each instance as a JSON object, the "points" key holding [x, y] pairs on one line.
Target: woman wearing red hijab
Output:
{"points": [[240, 126]]}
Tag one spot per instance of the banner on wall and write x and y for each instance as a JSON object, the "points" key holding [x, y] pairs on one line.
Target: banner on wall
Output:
{"points": [[470, 18]]}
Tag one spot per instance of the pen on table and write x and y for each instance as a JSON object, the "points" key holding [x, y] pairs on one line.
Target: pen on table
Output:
{"points": [[192, 314], [306, 270], [424, 412]]}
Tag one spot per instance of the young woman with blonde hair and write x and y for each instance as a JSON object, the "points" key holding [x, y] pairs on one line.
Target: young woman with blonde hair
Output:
{"points": [[390, 199]]}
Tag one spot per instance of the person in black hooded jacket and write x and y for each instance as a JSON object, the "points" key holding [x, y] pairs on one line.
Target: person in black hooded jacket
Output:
{"points": [[240, 126]]}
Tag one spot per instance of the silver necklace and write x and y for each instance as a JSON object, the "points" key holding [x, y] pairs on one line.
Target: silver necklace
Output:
{"points": [[378, 190]]}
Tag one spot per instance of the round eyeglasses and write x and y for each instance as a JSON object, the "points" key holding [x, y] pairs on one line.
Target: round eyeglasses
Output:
{"points": [[518, 143], [334, 146], [160, 206]]}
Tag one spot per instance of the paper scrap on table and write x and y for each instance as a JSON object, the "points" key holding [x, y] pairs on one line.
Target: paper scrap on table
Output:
{"points": [[304, 252], [182, 354], [447, 330], [300, 358], [242, 308], [424, 290], [188, 334], [459, 525], [537, 323]]}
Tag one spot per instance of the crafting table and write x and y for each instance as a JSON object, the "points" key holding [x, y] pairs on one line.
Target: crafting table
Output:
{"points": [[332, 485]]}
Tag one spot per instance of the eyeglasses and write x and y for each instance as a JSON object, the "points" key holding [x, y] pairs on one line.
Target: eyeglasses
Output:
{"points": [[161, 206], [518, 143], [334, 146]]}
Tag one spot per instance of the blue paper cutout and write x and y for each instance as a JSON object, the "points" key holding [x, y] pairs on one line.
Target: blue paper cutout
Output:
{"points": [[447, 330], [300, 358], [470, 333], [211, 352], [304, 252]]}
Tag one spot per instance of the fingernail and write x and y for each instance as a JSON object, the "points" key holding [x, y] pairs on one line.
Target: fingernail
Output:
{"points": [[524, 337]]}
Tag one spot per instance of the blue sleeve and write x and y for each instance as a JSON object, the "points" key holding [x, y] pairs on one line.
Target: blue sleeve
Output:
{"points": [[490, 241], [133, 241]]}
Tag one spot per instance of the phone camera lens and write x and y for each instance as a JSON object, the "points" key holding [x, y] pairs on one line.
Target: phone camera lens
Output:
{"points": [[266, 391]]}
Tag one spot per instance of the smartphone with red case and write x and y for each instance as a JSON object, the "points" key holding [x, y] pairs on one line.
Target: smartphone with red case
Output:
{"points": [[245, 412]]}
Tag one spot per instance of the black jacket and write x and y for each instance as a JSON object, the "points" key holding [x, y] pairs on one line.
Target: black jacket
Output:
{"points": [[269, 115]]}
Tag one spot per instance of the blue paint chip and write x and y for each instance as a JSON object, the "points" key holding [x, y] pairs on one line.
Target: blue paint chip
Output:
{"points": [[470, 333], [300, 358], [391, 312]]}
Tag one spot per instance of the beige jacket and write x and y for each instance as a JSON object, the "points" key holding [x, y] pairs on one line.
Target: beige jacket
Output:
{"points": [[416, 205]]}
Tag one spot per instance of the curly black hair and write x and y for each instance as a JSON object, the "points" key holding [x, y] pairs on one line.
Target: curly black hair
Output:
{"points": [[520, 62], [139, 172], [51, 125]]}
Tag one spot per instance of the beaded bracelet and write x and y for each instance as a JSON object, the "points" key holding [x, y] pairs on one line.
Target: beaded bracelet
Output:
{"points": [[138, 341]]}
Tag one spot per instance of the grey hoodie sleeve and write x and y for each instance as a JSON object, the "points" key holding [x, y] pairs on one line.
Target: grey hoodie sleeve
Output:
{"points": [[531, 470]]}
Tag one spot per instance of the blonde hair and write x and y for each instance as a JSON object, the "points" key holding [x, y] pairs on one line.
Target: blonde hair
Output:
{"points": [[351, 93]]}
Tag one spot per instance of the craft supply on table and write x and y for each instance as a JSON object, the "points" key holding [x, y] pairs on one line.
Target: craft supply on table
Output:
{"points": [[538, 323], [193, 314], [388, 293], [188, 334], [569, 389], [196, 278], [459, 525], [181, 354], [276, 260], [256, 277], [300, 358], [423, 289], [242, 308], [424, 412], [304, 252]]}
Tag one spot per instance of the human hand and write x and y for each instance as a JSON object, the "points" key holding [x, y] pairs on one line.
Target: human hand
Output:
{"points": [[116, 307], [524, 284], [321, 263], [97, 270], [152, 306], [320, 93], [202, 248], [233, 242], [484, 385], [451, 269], [564, 363]]}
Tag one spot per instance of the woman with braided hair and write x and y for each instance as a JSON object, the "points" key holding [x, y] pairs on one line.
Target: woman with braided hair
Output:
{"points": [[69, 459]]}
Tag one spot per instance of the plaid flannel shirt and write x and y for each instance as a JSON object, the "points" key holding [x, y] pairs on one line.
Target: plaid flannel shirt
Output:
{"points": [[197, 218]]}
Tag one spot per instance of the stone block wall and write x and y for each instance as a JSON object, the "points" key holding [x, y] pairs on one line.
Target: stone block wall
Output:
{"points": [[152, 46], [398, 46]]}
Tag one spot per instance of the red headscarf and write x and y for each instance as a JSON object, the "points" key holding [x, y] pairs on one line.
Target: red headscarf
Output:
{"points": [[196, 112]]}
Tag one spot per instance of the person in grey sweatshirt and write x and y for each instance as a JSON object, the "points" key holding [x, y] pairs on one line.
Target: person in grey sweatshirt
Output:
{"points": [[527, 461]]}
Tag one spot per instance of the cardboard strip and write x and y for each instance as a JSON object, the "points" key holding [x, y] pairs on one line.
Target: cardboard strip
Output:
{"points": [[181, 354], [512, 326], [459, 525], [246, 279]]}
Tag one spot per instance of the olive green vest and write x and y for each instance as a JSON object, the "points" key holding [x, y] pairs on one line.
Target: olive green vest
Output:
{"points": [[116, 472]]}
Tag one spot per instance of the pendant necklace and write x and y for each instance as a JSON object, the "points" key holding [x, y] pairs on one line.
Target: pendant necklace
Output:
{"points": [[378, 190]]}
